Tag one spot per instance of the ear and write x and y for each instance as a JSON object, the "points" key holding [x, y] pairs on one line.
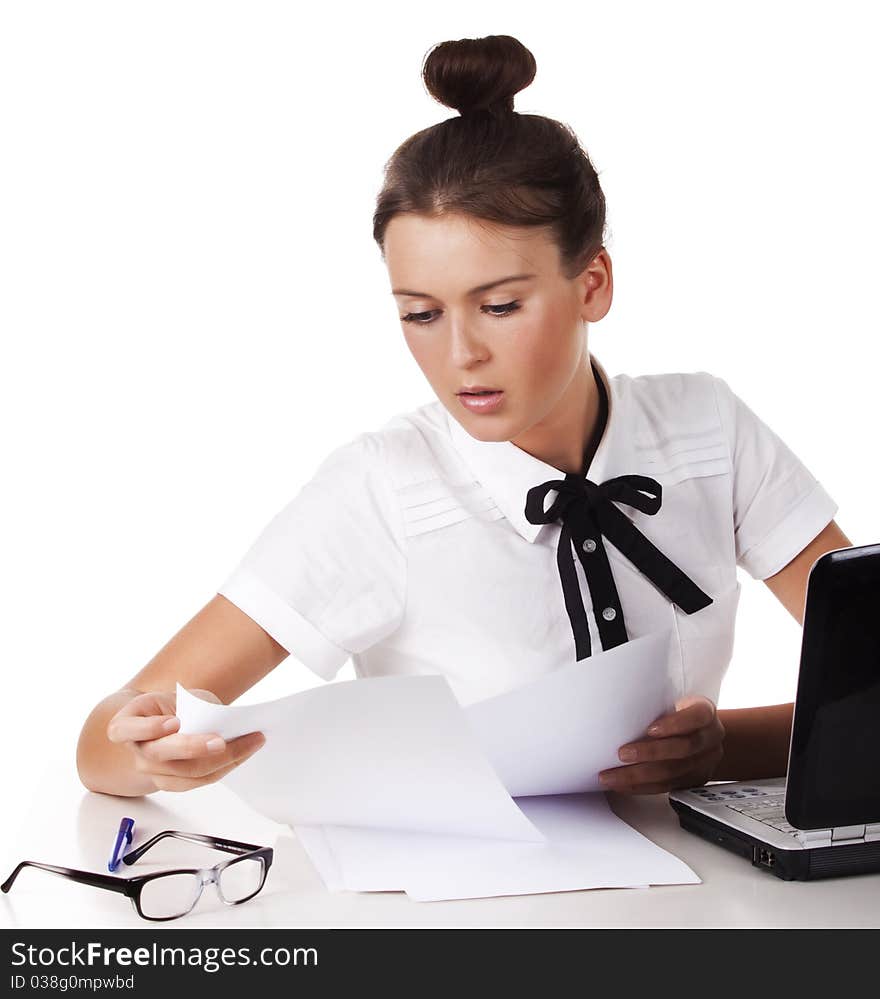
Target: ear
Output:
{"points": [[596, 287]]}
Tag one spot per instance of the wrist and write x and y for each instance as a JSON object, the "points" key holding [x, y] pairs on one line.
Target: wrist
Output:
{"points": [[755, 743]]}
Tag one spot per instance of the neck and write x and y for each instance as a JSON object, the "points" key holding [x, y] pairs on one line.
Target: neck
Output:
{"points": [[568, 437]]}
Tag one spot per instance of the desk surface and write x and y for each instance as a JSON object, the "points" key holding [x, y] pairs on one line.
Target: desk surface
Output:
{"points": [[64, 824]]}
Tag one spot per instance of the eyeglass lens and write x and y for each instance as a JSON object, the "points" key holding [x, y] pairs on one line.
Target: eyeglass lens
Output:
{"points": [[175, 894], [241, 878], [170, 895]]}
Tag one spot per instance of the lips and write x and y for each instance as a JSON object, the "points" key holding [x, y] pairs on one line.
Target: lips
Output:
{"points": [[486, 402]]}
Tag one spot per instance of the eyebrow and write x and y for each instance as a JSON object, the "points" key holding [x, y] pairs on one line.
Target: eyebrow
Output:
{"points": [[473, 291]]}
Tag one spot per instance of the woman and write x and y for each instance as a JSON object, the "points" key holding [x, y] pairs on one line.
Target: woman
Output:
{"points": [[462, 537]]}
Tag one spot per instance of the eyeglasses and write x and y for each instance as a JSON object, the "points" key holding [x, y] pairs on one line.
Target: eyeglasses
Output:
{"points": [[171, 894]]}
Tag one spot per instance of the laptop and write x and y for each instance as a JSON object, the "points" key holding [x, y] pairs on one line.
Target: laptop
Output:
{"points": [[823, 818]]}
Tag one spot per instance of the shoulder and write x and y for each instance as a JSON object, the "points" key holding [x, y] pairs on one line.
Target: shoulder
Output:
{"points": [[670, 405], [672, 424], [670, 399], [417, 447], [410, 452], [431, 485]]}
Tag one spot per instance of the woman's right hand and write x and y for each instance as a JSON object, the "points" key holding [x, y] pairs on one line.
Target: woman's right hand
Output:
{"points": [[176, 762]]}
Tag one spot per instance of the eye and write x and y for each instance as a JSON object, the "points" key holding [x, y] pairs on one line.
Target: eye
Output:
{"points": [[508, 307], [417, 318], [423, 318]]}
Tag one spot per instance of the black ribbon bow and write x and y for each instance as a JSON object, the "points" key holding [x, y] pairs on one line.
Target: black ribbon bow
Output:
{"points": [[587, 513]]}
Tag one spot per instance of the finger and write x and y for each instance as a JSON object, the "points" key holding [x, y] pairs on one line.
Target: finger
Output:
{"points": [[179, 746], [664, 772], [154, 702], [675, 747], [686, 719], [138, 728], [170, 782], [683, 781], [166, 782], [203, 764], [647, 773]]}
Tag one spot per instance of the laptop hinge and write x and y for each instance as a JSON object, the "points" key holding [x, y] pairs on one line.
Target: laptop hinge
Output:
{"points": [[840, 835], [814, 837]]}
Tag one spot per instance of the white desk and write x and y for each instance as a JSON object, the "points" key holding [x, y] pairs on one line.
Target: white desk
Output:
{"points": [[66, 825]]}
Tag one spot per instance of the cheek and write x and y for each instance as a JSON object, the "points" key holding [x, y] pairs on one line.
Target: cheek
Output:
{"points": [[417, 345], [427, 352], [545, 349]]}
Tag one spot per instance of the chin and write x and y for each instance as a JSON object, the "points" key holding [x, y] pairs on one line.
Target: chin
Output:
{"points": [[491, 438], [485, 429]]}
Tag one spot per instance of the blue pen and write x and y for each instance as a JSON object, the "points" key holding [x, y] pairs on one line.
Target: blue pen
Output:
{"points": [[125, 833]]}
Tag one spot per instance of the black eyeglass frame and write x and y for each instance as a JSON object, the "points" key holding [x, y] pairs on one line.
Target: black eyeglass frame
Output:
{"points": [[132, 887]]}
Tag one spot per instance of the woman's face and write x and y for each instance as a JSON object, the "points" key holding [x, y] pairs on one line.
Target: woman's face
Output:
{"points": [[524, 337]]}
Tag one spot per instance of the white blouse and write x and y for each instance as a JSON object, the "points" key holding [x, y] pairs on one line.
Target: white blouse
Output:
{"points": [[409, 549]]}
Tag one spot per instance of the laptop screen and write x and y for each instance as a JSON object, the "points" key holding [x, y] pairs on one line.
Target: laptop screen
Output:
{"points": [[834, 766]]}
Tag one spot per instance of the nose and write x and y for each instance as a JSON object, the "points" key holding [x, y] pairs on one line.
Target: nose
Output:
{"points": [[465, 346]]}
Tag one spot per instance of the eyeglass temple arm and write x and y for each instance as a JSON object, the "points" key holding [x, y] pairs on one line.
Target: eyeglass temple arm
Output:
{"points": [[84, 877], [229, 845]]}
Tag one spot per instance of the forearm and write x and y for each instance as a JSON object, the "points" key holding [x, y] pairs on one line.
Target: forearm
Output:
{"points": [[756, 742], [104, 765]]}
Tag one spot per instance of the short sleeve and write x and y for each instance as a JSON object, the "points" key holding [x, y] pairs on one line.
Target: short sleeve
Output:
{"points": [[326, 577], [778, 505]]}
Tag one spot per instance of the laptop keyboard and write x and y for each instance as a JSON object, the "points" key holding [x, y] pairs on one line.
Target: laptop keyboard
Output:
{"points": [[763, 806]]}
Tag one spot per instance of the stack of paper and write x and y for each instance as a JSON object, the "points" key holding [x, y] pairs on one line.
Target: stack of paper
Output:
{"points": [[390, 784]]}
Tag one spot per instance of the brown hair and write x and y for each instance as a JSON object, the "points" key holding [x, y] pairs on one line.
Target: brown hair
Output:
{"points": [[491, 162]]}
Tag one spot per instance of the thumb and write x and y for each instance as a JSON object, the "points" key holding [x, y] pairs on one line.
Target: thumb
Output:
{"points": [[691, 699], [205, 695]]}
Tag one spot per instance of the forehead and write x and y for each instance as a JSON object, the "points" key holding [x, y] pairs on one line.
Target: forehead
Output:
{"points": [[458, 251]]}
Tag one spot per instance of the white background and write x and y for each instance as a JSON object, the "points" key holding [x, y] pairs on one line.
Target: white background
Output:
{"points": [[194, 313]]}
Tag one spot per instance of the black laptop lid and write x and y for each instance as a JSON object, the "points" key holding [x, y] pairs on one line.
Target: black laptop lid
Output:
{"points": [[834, 763]]}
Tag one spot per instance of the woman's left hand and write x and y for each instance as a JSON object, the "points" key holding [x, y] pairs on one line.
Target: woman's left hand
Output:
{"points": [[682, 750]]}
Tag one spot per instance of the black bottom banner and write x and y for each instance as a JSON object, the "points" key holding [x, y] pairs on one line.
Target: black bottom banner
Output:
{"points": [[90, 962]]}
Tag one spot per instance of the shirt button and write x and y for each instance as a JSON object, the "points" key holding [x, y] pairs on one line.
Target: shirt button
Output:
{"points": [[609, 613], [589, 545]]}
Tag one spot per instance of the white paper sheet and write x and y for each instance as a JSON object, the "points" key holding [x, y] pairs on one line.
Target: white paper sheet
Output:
{"points": [[392, 785], [390, 752], [314, 842], [554, 735], [587, 846]]}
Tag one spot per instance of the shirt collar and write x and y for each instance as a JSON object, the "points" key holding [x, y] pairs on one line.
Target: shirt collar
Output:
{"points": [[508, 472]]}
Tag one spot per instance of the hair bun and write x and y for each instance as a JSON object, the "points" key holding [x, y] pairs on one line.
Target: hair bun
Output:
{"points": [[473, 73]]}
